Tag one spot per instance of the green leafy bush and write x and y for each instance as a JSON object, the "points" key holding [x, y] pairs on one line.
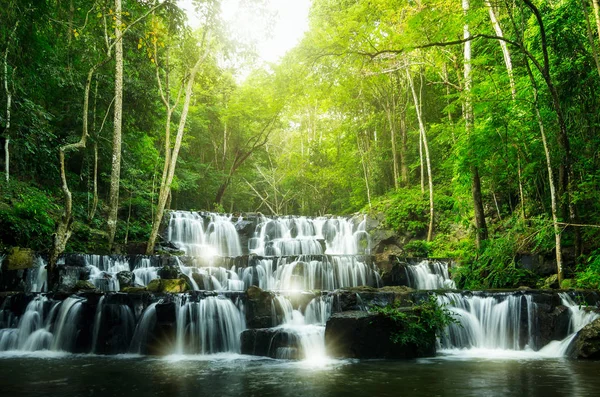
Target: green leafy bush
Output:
{"points": [[417, 324], [418, 249], [588, 273]]}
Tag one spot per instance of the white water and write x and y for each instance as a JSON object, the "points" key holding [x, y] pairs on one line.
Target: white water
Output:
{"points": [[45, 325], [144, 271], [489, 326], [37, 276], [428, 275], [187, 231], [104, 269], [211, 325], [308, 329]]}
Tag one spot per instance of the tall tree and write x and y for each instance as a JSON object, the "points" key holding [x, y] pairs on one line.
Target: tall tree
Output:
{"points": [[115, 176]]}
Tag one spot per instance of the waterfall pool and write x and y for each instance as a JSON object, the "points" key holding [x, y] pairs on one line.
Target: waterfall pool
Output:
{"points": [[52, 374]]}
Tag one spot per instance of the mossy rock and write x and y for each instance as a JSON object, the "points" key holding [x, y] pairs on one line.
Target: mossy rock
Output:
{"points": [[398, 289], [169, 272], [84, 285], [19, 258], [551, 282], [133, 290], [567, 283], [167, 285]]}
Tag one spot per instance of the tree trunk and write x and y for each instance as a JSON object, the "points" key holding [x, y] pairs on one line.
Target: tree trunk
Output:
{"points": [[426, 147], [390, 118], [8, 105], [361, 152], [597, 15], [403, 149], [115, 176], [553, 197], [590, 35], [165, 188], [504, 47], [480, 225]]}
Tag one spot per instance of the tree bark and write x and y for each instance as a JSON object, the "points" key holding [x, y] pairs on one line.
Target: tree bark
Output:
{"points": [[553, 197], [480, 224], [165, 188], [504, 47], [590, 35], [115, 176], [423, 135], [597, 15], [8, 105]]}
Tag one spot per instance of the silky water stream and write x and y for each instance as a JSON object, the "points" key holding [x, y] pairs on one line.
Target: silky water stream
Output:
{"points": [[102, 345]]}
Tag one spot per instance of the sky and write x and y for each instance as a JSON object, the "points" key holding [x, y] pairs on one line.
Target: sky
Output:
{"points": [[291, 21]]}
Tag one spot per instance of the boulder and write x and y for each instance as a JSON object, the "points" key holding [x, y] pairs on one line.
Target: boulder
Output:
{"points": [[271, 342], [551, 282], [259, 313], [168, 272], [587, 341], [19, 258], [362, 335], [133, 290], [83, 285], [167, 285], [126, 279]]}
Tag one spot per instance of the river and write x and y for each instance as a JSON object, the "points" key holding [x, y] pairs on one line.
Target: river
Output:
{"points": [[56, 374]]}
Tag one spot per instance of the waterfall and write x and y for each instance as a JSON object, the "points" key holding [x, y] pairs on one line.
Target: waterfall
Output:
{"points": [[429, 275], [484, 321], [505, 322], [305, 334], [143, 329], [144, 271], [104, 269], [211, 325], [579, 318], [37, 275], [220, 238], [42, 316], [318, 310]]}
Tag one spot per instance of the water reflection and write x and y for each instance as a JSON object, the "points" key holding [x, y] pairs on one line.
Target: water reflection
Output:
{"points": [[236, 375]]}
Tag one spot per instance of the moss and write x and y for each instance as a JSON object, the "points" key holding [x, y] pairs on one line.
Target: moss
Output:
{"points": [[567, 283], [400, 289], [134, 290], [84, 285], [171, 285], [20, 258]]}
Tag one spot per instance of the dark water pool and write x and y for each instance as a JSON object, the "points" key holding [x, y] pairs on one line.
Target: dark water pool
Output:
{"points": [[226, 375]]}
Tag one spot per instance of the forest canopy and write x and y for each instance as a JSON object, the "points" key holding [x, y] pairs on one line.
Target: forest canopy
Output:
{"points": [[471, 125]]}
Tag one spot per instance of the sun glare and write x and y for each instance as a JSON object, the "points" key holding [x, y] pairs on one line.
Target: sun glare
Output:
{"points": [[289, 22]]}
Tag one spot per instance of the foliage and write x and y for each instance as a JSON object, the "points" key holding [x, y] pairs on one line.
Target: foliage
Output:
{"points": [[419, 323], [417, 249], [588, 275], [26, 216]]}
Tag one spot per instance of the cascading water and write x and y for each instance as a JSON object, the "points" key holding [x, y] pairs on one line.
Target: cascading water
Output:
{"points": [[144, 271], [104, 269], [210, 325], [504, 323], [429, 274], [579, 318], [45, 325], [303, 332], [186, 230]]}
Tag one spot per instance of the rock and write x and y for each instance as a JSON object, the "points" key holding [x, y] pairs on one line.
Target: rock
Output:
{"points": [[19, 259], [167, 285], [68, 276], [271, 342], [83, 285], [134, 290], [126, 279], [360, 334], [168, 272], [397, 273], [567, 283], [259, 313], [587, 341], [551, 282], [76, 260]]}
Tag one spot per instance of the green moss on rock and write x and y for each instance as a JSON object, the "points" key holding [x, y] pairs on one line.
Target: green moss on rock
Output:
{"points": [[167, 285], [19, 258]]}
